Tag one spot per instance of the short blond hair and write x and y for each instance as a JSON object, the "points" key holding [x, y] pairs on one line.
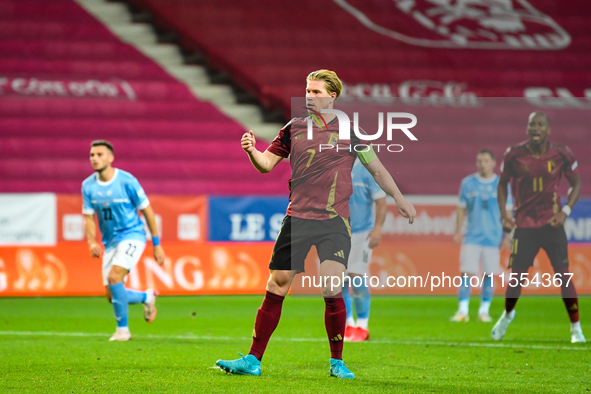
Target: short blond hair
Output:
{"points": [[332, 83]]}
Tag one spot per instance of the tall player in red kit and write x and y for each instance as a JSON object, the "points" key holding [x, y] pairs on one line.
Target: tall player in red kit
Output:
{"points": [[536, 167], [318, 214]]}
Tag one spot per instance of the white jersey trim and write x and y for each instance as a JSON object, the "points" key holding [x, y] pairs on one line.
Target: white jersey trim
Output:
{"points": [[490, 179], [144, 205], [101, 183], [379, 194]]}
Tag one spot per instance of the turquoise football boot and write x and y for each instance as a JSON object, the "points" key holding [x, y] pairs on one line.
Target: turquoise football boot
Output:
{"points": [[247, 365], [339, 370]]}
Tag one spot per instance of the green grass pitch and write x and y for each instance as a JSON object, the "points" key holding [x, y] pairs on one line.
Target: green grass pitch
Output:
{"points": [[60, 345]]}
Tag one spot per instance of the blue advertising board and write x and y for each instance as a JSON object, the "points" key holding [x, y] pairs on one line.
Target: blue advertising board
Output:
{"points": [[578, 224], [258, 219], [246, 219]]}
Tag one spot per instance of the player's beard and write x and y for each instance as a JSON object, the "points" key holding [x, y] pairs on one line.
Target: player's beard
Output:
{"points": [[100, 170]]}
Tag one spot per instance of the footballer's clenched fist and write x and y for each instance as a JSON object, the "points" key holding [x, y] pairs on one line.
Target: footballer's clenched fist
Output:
{"points": [[248, 141]]}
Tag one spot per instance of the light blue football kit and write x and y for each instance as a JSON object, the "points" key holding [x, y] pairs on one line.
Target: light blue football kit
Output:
{"points": [[483, 235], [478, 196], [365, 192], [116, 204]]}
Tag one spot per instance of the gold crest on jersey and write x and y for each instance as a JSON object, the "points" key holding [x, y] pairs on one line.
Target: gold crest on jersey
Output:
{"points": [[333, 138]]}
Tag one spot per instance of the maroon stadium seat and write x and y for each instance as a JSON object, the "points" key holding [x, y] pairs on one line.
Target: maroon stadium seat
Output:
{"points": [[65, 80], [269, 49]]}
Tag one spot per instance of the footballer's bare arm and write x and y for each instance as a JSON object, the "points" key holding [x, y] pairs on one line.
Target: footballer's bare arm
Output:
{"points": [[151, 221], [263, 161], [502, 194], [90, 229], [573, 196]]}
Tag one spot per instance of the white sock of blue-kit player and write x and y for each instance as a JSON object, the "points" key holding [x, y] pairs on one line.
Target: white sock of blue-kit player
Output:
{"points": [[488, 290], [464, 295]]}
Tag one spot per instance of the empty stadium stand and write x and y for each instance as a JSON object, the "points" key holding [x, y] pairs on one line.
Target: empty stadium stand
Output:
{"points": [[66, 80], [409, 48]]}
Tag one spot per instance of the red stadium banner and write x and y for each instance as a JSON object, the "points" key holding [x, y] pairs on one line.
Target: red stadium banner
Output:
{"points": [[68, 270], [178, 218], [433, 269], [241, 268]]}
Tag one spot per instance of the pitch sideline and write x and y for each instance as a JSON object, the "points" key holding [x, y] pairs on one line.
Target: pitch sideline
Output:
{"points": [[376, 342]]}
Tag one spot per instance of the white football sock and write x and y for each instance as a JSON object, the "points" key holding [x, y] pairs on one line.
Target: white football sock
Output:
{"points": [[351, 322], [463, 309], [362, 323], [576, 326], [484, 307], [149, 297]]}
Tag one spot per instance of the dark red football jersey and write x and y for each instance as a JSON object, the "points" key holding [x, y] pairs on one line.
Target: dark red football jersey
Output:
{"points": [[535, 181], [320, 184]]}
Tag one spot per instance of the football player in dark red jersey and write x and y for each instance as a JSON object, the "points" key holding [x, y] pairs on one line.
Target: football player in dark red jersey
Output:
{"points": [[535, 168], [318, 214]]}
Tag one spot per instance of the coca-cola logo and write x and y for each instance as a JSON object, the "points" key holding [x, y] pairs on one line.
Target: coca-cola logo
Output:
{"points": [[33, 86], [558, 98], [414, 92], [481, 24]]}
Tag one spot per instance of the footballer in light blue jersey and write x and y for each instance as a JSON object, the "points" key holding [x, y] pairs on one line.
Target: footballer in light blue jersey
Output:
{"points": [[484, 234], [366, 229], [478, 196], [116, 203], [115, 197], [365, 192]]}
